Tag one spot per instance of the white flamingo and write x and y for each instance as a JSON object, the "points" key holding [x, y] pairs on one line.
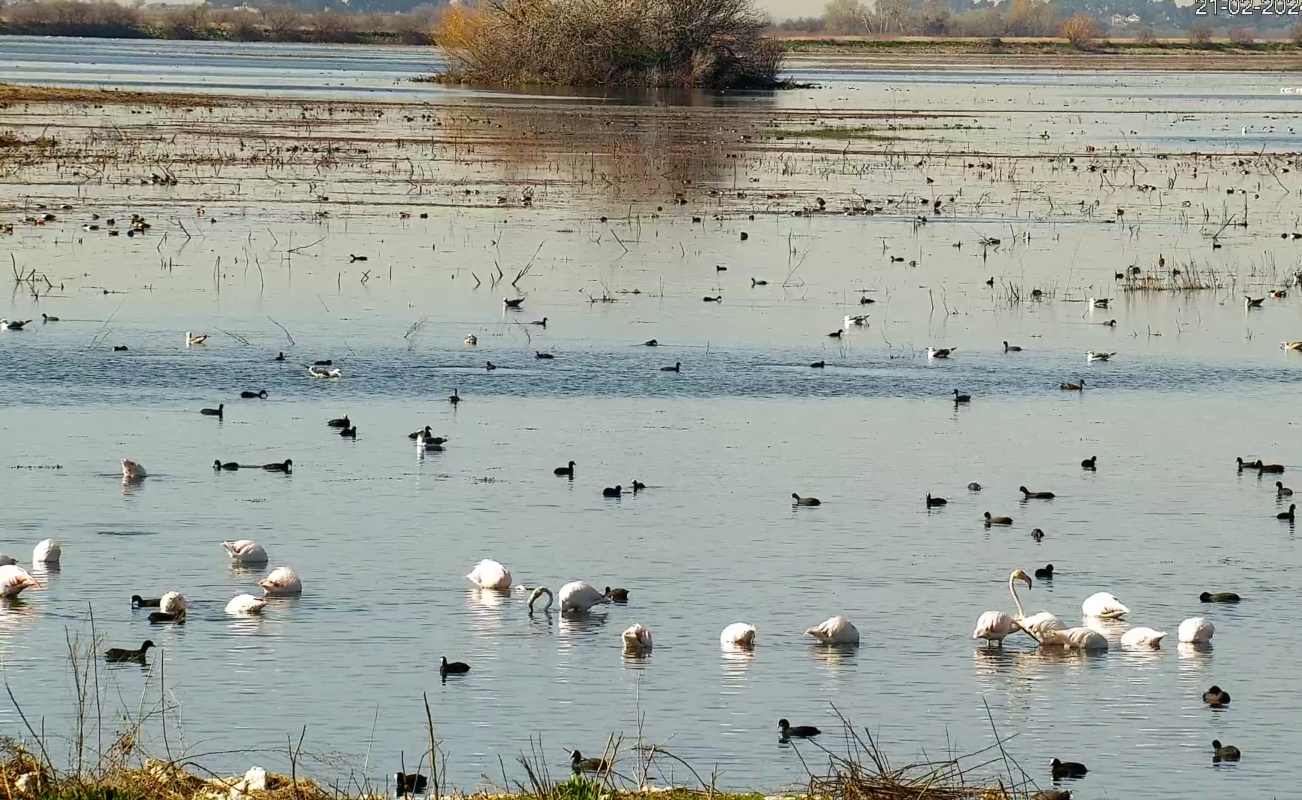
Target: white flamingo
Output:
{"points": [[280, 582], [1196, 630], [173, 603], [132, 470], [245, 551], [578, 596], [13, 579], [637, 639], [324, 372], [1037, 623], [835, 630], [738, 634], [994, 626], [490, 574], [244, 605], [1142, 637], [1074, 639], [1104, 606], [47, 551]]}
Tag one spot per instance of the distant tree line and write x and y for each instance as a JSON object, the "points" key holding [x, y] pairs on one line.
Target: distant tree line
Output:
{"points": [[281, 23], [987, 18]]}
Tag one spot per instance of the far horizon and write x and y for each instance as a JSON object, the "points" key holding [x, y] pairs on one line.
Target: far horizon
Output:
{"points": [[786, 9]]}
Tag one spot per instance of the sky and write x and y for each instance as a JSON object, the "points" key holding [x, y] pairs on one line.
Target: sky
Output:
{"points": [[781, 9]]}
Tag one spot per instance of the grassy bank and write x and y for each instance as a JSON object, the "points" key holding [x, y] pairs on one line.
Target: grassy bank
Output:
{"points": [[27, 774]]}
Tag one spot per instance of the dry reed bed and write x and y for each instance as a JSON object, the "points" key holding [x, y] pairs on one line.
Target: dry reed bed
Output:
{"points": [[310, 160]]}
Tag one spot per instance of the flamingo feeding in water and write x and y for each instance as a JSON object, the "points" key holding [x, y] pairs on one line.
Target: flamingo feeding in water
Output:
{"points": [[738, 634], [835, 630], [245, 551], [490, 574], [14, 579], [637, 639], [280, 582]]}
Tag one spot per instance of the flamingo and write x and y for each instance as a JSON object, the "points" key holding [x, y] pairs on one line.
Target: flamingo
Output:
{"points": [[1142, 637], [994, 626], [537, 593], [490, 574], [13, 579], [280, 582], [999, 625], [245, 551], [1074, 639], [47, 551], [835, 630], [578, 596], [1196, 630], [132, 471], [738, 634], [1103, 605], [173, 603], [244, 605], [195, 338], [637, 639]]}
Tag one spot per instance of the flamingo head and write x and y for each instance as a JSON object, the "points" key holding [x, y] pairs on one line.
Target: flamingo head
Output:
{"points": [[1020, 575]]}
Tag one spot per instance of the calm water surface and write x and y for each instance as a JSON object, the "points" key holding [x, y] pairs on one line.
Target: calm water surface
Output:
{"points": [[381, 536]]}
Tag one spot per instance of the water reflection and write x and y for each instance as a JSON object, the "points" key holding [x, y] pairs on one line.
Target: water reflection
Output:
{"points": [[16, 617], [618, 156], [244, 571], [244, 624], [44, 570], [636, 659], [1110, 629], [735, 663], [574, 627], [477, 598], [836, 655]]}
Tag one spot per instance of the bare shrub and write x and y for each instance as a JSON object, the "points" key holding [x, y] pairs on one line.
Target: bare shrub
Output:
{"points": [[332, 26], [1081, 30], [282, 23], [241, 24], [186, 22], [1200, 34], [703, 43], [1144, 34], [1243, 36]]}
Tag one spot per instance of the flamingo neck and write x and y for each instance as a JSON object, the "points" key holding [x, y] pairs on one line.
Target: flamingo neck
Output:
{"points": [[1012, 588], [539, 593]]}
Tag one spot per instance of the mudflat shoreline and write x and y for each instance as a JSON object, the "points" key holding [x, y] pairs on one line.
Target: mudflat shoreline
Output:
{"points": [[936, 53]]}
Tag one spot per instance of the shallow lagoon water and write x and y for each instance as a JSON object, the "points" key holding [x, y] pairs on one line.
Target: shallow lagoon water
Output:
{"points": [[382, 536]]}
